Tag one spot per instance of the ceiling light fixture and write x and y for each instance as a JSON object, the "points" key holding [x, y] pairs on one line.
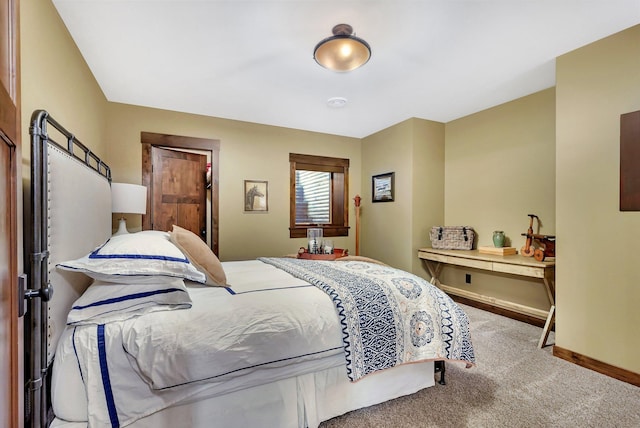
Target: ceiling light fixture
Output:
{"points": [[343, 51]]}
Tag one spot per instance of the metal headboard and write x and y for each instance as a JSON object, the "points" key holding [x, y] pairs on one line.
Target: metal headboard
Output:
{"points": [[39, 289]]}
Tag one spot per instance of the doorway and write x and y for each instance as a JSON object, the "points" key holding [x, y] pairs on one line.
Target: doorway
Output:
{"points": [[175, 172]]}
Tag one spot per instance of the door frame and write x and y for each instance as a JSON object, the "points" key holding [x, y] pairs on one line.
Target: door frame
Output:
{"points": [[150, 139], [10, 135]]}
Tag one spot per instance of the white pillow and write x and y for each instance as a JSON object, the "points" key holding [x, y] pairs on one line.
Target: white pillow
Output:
{"points": [[136, 258], [105, 302]]}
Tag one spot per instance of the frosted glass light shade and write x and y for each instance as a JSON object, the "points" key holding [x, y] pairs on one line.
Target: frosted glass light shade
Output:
{"points": [[343, 51]]}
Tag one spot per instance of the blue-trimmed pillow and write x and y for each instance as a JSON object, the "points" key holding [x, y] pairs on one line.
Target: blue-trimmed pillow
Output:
{"points": [[106, 302], [136, 258]]}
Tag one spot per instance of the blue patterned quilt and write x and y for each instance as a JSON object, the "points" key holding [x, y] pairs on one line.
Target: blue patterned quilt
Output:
{"points": [[389, 317]]}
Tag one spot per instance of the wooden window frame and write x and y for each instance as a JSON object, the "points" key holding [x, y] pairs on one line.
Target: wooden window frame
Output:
{"points": [[339, 225]]}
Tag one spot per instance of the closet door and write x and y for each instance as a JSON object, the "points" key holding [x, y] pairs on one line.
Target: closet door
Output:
{"points": [[10, 367]]}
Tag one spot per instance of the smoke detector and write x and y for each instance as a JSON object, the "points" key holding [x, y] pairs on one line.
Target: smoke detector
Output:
{"points": [[337, 102]]}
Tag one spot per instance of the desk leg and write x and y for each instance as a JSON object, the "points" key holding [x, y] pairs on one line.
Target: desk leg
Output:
{"points": [[550, 286], [547, 327], [434, 271]]}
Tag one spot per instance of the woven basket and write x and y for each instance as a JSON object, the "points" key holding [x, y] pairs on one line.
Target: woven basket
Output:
{"points": [[452, 237]]}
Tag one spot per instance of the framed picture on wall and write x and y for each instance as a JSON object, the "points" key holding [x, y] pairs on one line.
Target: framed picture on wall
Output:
{"points": [[255, 196], [382, 187]]}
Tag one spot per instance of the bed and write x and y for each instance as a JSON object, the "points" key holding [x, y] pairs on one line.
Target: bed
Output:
{"points": [[150, 329]]}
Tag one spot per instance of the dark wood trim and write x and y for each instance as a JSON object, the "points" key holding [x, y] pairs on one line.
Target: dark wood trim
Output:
{"points": [[11, 138], [9, 278], [318, 160], [598, 366], [327, 231], [500, 311], [149, 139], [292, 204], [179, 141]]}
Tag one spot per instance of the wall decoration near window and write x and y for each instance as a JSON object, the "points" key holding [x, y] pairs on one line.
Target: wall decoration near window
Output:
{"points": [[255, 195], [382, 187]]}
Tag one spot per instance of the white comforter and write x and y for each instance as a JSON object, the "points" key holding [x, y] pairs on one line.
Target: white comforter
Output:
{"points": [[273, 326], [271, 320]]}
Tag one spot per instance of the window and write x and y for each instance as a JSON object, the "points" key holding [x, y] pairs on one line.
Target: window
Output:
{"points": [[313, 197], [318, 195]]}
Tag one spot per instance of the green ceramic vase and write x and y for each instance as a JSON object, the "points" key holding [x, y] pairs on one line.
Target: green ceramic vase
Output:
{"points": [[498, 239]]}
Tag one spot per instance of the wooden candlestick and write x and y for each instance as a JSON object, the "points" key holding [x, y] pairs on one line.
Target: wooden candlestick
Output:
{"points": [[357, 202]]}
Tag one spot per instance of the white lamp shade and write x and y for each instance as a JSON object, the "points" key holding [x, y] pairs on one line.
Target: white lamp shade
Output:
{"points": [[128, 198]]}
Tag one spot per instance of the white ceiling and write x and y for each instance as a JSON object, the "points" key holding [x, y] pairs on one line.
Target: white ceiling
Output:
{"points": [[252, 60]]}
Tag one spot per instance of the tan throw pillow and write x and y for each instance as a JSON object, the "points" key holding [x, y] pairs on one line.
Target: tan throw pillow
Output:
{"points": [[199, 254]]}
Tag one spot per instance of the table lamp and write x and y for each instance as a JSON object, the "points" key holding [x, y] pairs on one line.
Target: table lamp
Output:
{"points": [[127, 199]]}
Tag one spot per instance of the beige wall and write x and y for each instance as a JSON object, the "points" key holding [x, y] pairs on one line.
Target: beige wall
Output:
{"points": [[499, 167], [414, 151], [428, 186], [385, 225], [247, 151], [56, 78], [598, 291]]}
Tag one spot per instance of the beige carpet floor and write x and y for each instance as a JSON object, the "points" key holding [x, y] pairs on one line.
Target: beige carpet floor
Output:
{"points": [[514, 384]]}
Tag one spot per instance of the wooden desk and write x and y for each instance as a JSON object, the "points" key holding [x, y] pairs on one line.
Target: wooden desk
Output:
{"points": [[514, 265]]}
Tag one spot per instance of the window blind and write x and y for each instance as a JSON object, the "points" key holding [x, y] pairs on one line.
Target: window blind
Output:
{"points": [[313, 197]]}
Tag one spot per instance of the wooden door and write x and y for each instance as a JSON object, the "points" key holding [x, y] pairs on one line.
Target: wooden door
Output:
{"points": [[178, 191], [10, 388], [211, 147]]}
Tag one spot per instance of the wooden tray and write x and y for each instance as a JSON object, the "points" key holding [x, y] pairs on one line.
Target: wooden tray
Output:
{"points": [[337, 253]]}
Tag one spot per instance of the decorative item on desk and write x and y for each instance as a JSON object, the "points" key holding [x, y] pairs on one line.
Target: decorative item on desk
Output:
{"points": [[327, 247], [502, 251], [452, 237], [546, 244], [498, 238], [314, 240]]}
